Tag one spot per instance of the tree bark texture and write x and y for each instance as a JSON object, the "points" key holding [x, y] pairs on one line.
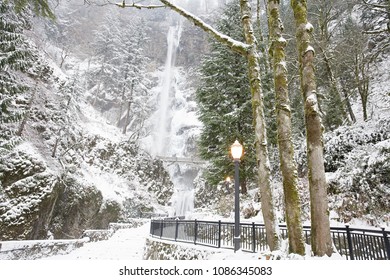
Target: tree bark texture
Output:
{"points": [[264, 173], [286, 148], [321, 241]]}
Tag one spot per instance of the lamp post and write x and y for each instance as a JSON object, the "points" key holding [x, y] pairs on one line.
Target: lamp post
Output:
{"points": [[236, 150]]}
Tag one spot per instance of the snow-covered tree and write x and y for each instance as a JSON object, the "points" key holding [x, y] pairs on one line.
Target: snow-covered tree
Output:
{"points": [[40, 7], [15, 58], [354, 70], [105, 47], [119, 72], [224, 105], [133, 81], [335, 105], [376, 23]]}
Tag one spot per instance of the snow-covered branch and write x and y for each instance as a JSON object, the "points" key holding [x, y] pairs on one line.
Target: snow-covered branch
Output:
{"points": [[374, 5], [138, 6], [234, 45]]}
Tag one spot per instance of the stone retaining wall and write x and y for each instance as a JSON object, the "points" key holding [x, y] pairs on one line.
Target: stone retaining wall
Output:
{"points": [[165, 250], [37, 249]]}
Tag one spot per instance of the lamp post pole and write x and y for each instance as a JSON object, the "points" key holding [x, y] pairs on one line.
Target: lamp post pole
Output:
{"points": [[237, 238], [236, 150]]}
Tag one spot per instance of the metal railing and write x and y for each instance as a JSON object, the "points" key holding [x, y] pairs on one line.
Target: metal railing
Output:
{"points": [[352, 243]]}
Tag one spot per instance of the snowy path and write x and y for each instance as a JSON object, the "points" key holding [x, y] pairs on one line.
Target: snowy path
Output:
{"points": [[125, 244]]}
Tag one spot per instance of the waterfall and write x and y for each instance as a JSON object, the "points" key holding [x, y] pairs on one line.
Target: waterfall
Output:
{"points": [[168, 142], [167, 93]]}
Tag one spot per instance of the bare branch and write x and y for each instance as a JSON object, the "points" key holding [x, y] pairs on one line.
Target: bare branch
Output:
{"points": [[375, 5], [135, 5], [234, 45], [376, 31]]}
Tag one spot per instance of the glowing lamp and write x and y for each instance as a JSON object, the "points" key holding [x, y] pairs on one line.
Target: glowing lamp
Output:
{"points": [[236, 150]]}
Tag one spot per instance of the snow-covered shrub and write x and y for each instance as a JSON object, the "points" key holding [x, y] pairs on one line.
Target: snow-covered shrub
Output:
{"points": [[357, 165], [338, 144], [343, 141], [361, 188]]}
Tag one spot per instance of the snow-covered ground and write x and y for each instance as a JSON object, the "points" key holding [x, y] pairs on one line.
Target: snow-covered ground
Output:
{"points": [[129, 244], [125, 244], [121, 255]]}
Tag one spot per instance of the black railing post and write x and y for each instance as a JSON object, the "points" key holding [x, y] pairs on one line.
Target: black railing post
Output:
{"points": [[387, 244], [177, 229], [253, 237], [219, 233], [161, 228], [349, 239], [195, 231]]}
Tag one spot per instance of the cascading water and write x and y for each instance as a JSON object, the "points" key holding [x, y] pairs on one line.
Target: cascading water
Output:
{"points": [[166, 140], [167, 92]]}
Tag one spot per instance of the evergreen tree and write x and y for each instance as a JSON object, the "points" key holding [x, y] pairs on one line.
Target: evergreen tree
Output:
{"points": [[15, 57], [224, 103], [40, 7]]}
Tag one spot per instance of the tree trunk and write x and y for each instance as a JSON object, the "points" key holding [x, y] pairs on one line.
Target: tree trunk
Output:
{"points": [[349, 106], [53, 154], [334, 86], [286, 147], [28, 111], [264, 173], [321, 241], [362, 81], [127, 119], [121, 107]]}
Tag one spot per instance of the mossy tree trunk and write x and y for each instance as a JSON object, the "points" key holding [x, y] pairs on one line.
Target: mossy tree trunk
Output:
{"points": [[321, 241], [264, 173], [286, 148]]}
